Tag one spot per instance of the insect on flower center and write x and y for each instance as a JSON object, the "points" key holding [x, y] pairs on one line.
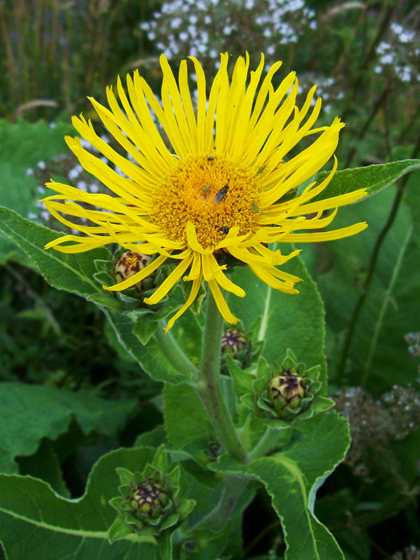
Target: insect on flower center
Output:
{"points": [[214, 193]]}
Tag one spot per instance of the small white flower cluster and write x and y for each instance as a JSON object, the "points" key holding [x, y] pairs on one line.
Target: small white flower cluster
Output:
{"points": [[401, 55], [205, 28]]}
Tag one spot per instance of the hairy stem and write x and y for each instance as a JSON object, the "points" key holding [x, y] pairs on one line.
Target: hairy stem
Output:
{"points": [[217, 519], [173, 352], [208, 384], [265, 445]]}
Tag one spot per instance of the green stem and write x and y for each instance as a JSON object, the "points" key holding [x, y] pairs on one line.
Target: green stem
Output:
{"points": [[208, 384], [217, 519], [266, 444], [173, 352]]}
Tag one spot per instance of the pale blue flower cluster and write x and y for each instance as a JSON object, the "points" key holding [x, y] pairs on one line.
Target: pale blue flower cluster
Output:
{"points": [[400, 55]]}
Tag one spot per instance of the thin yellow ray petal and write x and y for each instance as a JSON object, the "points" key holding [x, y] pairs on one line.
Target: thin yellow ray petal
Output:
{"points": [[195, 271], [194, 243], [289, 278], [213, 98], [129, 168], [170, 281], [201, 106], [328, 203], [191, 298], [270, 280], [142, 110], [178, 147], [325, 235], [173, 108], [83, 244], [264, 137], [262, 95], [221, 303], [249, 258], [137, 277], [187, 104], [221, 279]]}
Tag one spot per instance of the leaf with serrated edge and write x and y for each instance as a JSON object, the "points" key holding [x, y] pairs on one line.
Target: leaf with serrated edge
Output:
{"points": [[373, 178], [35, 523], [292, 479]]}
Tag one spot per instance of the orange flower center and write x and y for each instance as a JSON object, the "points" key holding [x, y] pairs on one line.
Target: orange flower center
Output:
{"points": [[214, 193]]}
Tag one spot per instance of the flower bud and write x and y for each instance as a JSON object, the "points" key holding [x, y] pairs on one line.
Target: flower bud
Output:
{"points": [[149, 501], [287, 390], [234, 341], [129, 264], [149, 498]]}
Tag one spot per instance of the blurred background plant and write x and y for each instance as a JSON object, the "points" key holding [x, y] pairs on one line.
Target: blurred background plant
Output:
{"points": [[365, 57]]}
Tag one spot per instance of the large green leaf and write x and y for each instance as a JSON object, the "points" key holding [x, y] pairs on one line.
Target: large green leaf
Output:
{"points": [[35, 523], [288, 321], [189, 431], [292, 479], [70, 272], [374, 178], [29, 413], [379, 355], [151, 358], [22, 146]]}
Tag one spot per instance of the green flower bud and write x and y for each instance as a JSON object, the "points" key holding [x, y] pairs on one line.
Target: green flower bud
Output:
{"points": [[287, 390], [280, 394], [150, 501], [234, 341], [149, 498], [129, 264]]}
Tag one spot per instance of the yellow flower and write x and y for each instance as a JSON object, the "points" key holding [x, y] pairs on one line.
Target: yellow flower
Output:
{"points": [[217, 190]]}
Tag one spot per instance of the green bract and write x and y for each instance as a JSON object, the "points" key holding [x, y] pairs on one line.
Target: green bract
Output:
{"points": [[149, 502], [282, 394]]}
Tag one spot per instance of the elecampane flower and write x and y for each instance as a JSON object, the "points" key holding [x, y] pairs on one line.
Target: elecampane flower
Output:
{"points": [[224, 187]]}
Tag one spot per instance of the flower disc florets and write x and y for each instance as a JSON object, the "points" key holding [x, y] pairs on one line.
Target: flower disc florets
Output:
{"points": [[213, 193]]}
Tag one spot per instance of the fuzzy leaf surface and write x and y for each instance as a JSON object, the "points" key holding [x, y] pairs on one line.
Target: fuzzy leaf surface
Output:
{"points": [[292, 478], [36, 523], [374, 178], [288, 321]]}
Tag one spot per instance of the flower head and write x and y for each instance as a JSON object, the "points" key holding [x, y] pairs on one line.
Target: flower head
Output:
{"points": [[222, 188]]}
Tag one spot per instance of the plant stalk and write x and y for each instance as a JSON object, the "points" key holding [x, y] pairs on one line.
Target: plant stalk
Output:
{"points": [[266, 444], [173, 352], [208, 384], [217, 519]]}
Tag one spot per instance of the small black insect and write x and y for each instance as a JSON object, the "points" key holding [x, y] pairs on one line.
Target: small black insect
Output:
{"points": [[220, 195], [224, 229], [210, 158]]}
